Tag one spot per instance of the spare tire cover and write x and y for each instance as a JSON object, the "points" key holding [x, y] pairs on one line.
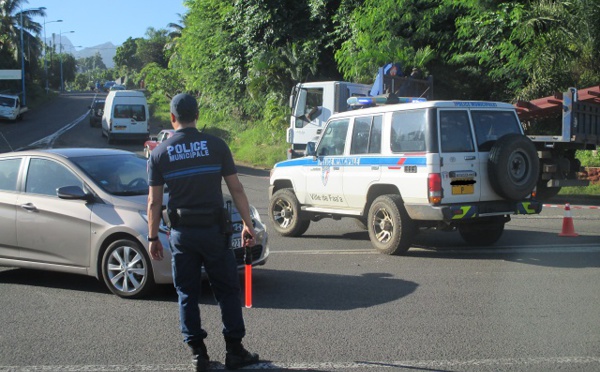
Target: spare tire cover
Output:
{"points": [[513, 166]]}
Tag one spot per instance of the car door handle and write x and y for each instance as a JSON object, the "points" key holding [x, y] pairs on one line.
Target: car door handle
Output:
{"points": [[375, 167], [471, 157], [336, 168], [29, 207]]}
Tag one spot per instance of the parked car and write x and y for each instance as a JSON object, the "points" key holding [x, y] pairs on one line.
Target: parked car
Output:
{"points": [[155, 141], [118, 87], [96, 111], [83, 211]]}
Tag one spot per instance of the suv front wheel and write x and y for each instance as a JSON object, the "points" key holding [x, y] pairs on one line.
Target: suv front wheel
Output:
{"points": [[390, 227], [284, 212]]}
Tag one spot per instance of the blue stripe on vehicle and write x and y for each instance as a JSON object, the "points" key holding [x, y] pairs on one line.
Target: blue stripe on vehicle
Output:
{"points": [[354, 161], [207, 169]]}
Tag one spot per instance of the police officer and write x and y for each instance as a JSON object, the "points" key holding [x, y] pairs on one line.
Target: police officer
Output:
{"points": [[192, 164]]}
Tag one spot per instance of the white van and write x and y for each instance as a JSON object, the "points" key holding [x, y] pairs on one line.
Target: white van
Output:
{"points": [[125, 116]]}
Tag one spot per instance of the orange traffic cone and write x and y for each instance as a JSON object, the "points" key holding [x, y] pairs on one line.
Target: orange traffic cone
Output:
{"points": [[568, 229]]}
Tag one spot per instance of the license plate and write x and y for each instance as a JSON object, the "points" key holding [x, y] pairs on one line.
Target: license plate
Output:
{"points": [[120, 127], [236, 243], [463, 189]]}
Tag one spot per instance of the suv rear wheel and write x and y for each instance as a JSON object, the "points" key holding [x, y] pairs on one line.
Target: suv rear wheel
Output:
{"points": [[390, 227], [284, 212]]}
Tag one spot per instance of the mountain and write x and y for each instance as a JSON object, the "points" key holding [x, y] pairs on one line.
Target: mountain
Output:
{"points": [[107, 50]]}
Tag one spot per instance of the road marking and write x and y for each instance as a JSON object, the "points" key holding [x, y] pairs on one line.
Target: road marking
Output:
{"points": [[530, 248], [48, 141], [327, 366]]}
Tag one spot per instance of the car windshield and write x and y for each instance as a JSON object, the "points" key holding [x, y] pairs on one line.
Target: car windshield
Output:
{"points": [[120, 174], [7, 101]]}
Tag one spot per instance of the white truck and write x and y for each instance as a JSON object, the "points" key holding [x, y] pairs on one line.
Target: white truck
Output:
{"points": [[313, 103], [11, 108]]}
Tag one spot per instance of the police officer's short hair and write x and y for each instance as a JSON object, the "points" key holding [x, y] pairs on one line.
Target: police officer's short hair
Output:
{"points": [[184, 107]]}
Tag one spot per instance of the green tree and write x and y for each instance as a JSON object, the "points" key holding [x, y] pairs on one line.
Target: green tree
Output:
{"points": [[529, 49], [126, 56], [12, 12], [151, 49]]}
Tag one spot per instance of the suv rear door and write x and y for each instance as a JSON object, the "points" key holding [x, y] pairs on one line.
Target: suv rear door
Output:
{"points": [[460, 171]]}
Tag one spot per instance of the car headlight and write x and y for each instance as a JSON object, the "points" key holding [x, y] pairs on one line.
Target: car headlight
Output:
{"points": [[254, 214], [162, 227]]}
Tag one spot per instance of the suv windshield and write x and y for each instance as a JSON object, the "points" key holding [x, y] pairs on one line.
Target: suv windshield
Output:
{"points": [[122, 174]]}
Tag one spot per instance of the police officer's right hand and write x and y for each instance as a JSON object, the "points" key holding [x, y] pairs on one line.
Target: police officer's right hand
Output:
{"points": [[156, 250]]}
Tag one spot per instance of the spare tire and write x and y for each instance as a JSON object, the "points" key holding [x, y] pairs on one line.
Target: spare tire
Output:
{"points": [[513, 166]]}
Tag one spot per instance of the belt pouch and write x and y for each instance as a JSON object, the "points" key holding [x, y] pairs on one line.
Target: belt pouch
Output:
{"points": [[226, 223], [196, 217]]}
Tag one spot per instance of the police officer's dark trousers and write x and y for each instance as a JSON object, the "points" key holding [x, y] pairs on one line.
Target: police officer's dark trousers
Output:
{"points": [[191, 247]]}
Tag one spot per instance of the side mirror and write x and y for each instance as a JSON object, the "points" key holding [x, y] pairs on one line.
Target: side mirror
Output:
{"points": [[311, 149], [73, 193]]}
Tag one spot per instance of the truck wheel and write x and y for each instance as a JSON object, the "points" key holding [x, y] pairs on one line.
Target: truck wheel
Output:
{"points": [[390, 228], [126, 269], [284, 213], [513, 166], [482, 233]]}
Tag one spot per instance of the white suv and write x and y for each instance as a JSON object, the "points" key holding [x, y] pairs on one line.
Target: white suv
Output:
{"points": [[462, 165]]}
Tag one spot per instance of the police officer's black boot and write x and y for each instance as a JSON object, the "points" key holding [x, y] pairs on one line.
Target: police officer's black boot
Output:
{"points": [[199, 355], [237, 356]]}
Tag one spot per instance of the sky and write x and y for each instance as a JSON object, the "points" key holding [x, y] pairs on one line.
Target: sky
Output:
{"points": [[97, 22]]}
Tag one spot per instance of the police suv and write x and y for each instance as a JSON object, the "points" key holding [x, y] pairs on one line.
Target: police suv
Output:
{"points": [[451, 165]]}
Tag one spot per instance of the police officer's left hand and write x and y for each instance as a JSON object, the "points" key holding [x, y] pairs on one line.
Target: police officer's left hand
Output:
{"points": [[156, 250], [249, 236]]}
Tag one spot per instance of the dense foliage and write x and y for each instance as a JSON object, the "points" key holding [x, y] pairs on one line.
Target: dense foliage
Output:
{"points": [[241, 57]]}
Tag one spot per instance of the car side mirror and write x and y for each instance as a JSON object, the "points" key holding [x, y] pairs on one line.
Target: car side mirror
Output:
{"points": [[73, 193], [311, 149]]}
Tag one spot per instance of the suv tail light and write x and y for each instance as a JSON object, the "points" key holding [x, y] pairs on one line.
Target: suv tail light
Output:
{"points": [[434, 184]]}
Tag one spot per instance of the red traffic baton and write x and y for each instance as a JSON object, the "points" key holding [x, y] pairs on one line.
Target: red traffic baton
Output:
{"points": [[248, 273]]}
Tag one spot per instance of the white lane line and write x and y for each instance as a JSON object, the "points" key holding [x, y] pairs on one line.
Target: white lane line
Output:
{"points": [[48, 141], [329, 366], [530, 248]]}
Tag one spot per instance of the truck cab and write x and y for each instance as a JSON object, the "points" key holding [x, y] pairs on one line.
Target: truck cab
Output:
{"points": [[11, 107], [312, 104]]}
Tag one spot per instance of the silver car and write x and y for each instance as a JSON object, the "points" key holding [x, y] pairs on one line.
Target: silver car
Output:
{"points": [[83, 211]]}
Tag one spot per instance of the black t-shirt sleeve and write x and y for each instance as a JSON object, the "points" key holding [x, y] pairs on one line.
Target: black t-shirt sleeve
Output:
{"points": [[155, 177], [228, 165]]}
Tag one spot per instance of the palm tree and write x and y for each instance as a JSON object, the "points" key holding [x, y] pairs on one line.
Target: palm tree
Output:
{"points": [[174, 35], [11, 14]]}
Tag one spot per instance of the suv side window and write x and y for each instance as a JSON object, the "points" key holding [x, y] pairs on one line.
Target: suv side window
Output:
{"points": [[491, 125], [9, 169], [366, 135], [333, 141], [408, 131], [45, 176], [455, 131]]}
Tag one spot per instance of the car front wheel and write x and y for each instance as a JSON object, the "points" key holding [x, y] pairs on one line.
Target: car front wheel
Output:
{"points": [[126, 269], [284, 212]]}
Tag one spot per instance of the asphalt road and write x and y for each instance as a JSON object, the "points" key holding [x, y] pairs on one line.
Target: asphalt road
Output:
{"points": [[328, 302]]}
